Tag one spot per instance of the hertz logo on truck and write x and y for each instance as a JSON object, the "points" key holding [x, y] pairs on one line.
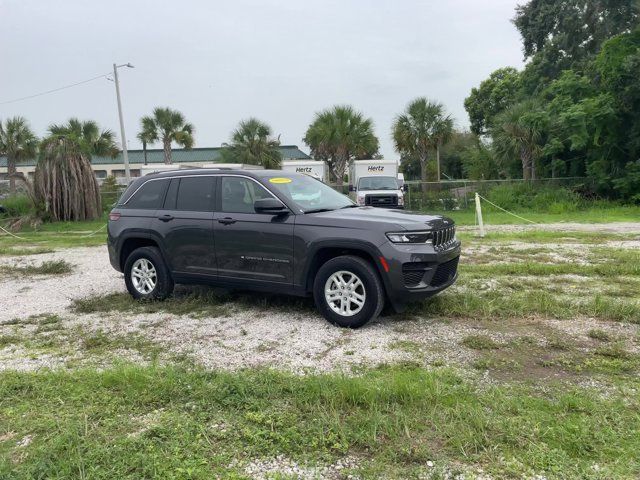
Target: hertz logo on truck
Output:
{"points": [[304, 169], [375, 168]]}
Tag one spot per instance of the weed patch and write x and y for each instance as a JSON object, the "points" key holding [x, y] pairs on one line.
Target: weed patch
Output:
{"points": [[50, 267]]}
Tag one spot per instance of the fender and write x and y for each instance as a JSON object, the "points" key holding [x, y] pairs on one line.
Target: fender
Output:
{"points": [[351, 244], [141, 233]]}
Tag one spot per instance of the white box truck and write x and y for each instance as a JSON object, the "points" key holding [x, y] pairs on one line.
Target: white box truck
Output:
{"points": [[314, 168], [375, 183]]}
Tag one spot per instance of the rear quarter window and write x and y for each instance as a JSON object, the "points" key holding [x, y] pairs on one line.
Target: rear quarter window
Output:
{"points": [[148, 197]]}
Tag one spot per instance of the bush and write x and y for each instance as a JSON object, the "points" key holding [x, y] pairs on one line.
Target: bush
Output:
{"points": [[19, 205], [110, 192], [541, 198]]}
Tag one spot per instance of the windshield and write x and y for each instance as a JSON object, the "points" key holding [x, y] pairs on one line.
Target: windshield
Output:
{"points": [[308, 193], [378, 183]]}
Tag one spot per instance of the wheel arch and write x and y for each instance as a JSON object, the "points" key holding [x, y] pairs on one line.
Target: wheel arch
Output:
{"points": [[325, 251], [134, 241]]}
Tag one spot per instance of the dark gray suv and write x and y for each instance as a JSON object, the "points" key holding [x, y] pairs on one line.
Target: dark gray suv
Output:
{"points": [[278, 232]]}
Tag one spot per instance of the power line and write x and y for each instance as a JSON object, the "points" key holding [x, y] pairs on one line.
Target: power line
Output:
{"points": [[55, 89]]}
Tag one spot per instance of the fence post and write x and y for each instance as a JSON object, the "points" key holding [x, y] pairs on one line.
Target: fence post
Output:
{"points": [[479, 215]]}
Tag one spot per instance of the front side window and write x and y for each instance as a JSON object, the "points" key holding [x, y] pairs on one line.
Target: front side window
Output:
{"points": [[149, 196], [239, 194], [195, 194]]}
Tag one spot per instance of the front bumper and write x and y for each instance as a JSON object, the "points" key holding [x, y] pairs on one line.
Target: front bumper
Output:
{"points": [[417, 272]]}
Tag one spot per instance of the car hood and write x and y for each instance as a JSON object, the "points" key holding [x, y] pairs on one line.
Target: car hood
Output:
{"points": [[363, 217]]}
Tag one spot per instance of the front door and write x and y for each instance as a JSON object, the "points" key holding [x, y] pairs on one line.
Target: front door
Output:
{"points": [[250, 245], [186, 225]]}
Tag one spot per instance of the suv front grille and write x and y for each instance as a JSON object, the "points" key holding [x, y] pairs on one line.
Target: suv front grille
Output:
{"points": [[381, 200], [444, 237], [445, 272]]}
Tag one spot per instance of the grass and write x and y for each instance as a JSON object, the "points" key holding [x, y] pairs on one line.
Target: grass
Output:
{"points": [[492, 216], [480, 342], [391, 420], [599, 334], [56, 235], [50, 267], [195, 302]]}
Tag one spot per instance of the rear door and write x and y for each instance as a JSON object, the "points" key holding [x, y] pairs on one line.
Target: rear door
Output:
{"points": [[186, 225], [249, 245]]}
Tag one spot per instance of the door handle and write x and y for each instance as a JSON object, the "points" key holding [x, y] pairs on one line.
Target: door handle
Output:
{"points": [[226, 220], [166, 218]]}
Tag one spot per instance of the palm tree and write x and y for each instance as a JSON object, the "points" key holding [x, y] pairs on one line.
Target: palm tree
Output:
{"points": [[252, 143], [421, 128], [88, 137], [147, 134], [64, 182], [341, 134], [18, 143], [518, 133], [169, 126]]}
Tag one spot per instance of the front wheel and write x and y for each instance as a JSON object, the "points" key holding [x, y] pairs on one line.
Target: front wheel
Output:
{"points": [[146, 274], [348, 292]]}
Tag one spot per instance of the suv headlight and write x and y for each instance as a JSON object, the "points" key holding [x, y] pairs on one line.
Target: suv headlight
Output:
{"points": [[401, 199], [360, 199], [409, 237]]}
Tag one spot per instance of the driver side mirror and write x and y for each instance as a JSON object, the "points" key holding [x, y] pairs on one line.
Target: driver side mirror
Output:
{"points": [[352, 188], [272, 206]]}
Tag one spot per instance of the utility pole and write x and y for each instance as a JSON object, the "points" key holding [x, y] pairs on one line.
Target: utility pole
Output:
{"points": [[125, 155]]}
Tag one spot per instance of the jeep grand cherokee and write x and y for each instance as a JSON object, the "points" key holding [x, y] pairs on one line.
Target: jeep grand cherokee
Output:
{"points": [[278, 232]]}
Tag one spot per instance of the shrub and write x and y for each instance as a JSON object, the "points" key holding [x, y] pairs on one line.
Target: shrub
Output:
{"points": [[19, 205], [534, 196]]}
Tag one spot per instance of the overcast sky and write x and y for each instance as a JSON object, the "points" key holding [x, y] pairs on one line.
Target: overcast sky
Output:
{"points": [[219, 62]]}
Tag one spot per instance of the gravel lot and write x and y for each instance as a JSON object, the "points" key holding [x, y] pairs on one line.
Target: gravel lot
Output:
{"points": [[295, 339]]}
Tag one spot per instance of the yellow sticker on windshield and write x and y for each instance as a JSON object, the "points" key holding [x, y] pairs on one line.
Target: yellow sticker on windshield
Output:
{"points": [[280, 180]]}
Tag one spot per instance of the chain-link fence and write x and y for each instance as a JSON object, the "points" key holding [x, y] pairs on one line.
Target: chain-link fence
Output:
{"points": [[459, 194]]}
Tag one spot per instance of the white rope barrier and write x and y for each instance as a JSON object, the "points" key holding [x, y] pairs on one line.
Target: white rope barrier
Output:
{"points": [[11, 234], [506, 211]]}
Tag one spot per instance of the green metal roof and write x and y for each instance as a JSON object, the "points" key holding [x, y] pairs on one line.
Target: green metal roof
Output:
{"points": [[178, 155]]}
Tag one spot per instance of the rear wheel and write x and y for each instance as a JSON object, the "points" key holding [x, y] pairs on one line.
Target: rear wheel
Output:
{"points": [[348, 292], [146, 274]]}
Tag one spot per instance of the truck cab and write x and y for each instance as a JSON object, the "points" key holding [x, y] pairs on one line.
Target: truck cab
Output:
{"points": [[375, 183]]}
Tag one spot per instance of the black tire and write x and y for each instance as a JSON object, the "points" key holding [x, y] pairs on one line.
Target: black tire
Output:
{"points": [[374, 293], [164, 283]]}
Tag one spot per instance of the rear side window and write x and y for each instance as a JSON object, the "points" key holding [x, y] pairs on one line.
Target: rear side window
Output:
{"points": [[195, 194], [149, 196]]}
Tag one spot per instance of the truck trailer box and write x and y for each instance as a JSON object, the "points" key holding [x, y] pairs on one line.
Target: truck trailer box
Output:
{"points": [[314, 168], [375, 183]]}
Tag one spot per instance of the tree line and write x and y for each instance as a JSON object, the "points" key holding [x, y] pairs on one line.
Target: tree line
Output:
{"points": [[336, 135], [574, 110]]}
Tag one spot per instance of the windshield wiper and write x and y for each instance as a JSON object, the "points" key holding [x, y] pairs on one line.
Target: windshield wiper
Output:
{"points": [[318, 210], [349, 206]]}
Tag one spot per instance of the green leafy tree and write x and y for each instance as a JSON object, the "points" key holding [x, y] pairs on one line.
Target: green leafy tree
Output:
{"points": [[518, 133], [252, 143], [576, 28], [563, 34], [423, 128], [17, 143], [147, 135], [339, 135], [169, 126], [479, 163], [492, 97], [87, 136]]}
